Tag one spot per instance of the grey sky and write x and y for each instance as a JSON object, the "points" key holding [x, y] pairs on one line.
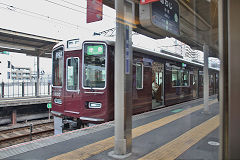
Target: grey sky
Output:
{"points": [[16, 17]]}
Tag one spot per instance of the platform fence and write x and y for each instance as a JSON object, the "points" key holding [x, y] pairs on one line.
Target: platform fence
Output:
{"points": [[17, 88]]}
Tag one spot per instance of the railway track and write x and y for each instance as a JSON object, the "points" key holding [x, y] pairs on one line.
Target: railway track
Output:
{"points": [[25, 133]]}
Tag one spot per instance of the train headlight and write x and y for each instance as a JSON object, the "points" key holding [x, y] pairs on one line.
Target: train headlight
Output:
{"points": [[57, 101], [94, 105]]}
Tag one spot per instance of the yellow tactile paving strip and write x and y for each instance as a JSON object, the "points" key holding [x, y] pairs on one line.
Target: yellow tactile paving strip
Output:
{"points": [[103, 145], [175, 148]]}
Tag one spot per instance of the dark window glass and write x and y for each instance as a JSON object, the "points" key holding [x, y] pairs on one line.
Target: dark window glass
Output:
{"points": [[139, 75], [57, 71], [8, 75], [72, 73], [9, 64]]}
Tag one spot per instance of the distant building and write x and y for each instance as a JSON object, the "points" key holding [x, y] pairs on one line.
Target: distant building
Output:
{"points": [[21, 73], [5, 66], [10, 72]]}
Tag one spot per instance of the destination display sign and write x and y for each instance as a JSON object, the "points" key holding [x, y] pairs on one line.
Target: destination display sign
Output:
{"points": [[95, 50], [165, 15], [59, 54]]}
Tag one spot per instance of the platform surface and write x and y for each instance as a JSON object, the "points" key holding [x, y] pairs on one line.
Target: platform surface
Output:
{"points": [[10, 102], [181, 131]]}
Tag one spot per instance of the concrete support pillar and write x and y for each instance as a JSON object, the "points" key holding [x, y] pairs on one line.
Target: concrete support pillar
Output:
{"points": [[229, 46], [14, 117], [38, 76], [58, 125], [123, 80], [205, 78]]}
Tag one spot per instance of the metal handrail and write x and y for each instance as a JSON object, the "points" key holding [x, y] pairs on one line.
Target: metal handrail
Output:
{"points": [[17, 88]]}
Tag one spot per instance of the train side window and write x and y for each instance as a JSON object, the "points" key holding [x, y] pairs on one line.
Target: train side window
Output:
{"points": [[185, 76], [72, 73], [180, 78], [139, 75]]}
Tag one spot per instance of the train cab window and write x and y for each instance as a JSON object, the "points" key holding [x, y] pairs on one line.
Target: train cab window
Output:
{"points": [[57, 69], [139, 75], [94, 65], [180, 78], [72, 73]]}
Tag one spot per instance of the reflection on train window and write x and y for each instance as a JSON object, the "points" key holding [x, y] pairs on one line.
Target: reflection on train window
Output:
{"points": [[72, 73], [201, 78], [94, 65], [57, 73], [139, 75], [180, 78], [158, 78]]}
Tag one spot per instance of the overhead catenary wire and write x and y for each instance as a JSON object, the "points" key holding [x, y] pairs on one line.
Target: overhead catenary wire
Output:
{"points": [[76, 5], [14, 9], [34, 16]]}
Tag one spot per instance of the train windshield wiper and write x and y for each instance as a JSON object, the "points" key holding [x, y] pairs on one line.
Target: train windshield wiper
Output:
{"points": [[91, 87]]}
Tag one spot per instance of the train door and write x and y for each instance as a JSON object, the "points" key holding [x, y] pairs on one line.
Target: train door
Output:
{"points": [[157, 85], [72, 93], [195, 84]]}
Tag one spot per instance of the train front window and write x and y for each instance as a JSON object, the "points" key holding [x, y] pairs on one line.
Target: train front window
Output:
{"points": [[72, 73], [57, 70], [94, 65]]}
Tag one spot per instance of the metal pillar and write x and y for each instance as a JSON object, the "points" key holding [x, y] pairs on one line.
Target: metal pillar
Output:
{"points": [[58, 125], [123, 79], [205, 78], [38, 77], [229, 45]]}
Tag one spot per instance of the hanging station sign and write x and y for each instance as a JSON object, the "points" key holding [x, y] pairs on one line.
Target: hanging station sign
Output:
{"points": [[161, 17], [147, 1], [94, 10]]}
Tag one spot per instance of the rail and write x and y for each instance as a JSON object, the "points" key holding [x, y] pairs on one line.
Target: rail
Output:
{"points": [[26, 133]]}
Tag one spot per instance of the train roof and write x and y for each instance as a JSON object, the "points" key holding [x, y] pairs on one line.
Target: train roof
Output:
{"points": [[111, 41]]}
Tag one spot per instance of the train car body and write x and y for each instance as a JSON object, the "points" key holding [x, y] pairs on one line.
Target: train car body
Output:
{"points": [[83, 80]]}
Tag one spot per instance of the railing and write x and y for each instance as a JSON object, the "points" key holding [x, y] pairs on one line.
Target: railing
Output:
{"points": [[24, 89]]}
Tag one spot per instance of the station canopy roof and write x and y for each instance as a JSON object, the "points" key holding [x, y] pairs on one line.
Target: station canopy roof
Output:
{"points": [[29, 44], [198, 23]]}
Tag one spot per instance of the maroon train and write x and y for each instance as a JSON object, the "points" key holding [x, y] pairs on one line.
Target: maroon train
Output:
{"points": [[83, 80]]}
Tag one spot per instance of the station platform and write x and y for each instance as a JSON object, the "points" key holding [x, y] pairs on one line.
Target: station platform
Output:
{"points": [[10, 102], [182, 131]]}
